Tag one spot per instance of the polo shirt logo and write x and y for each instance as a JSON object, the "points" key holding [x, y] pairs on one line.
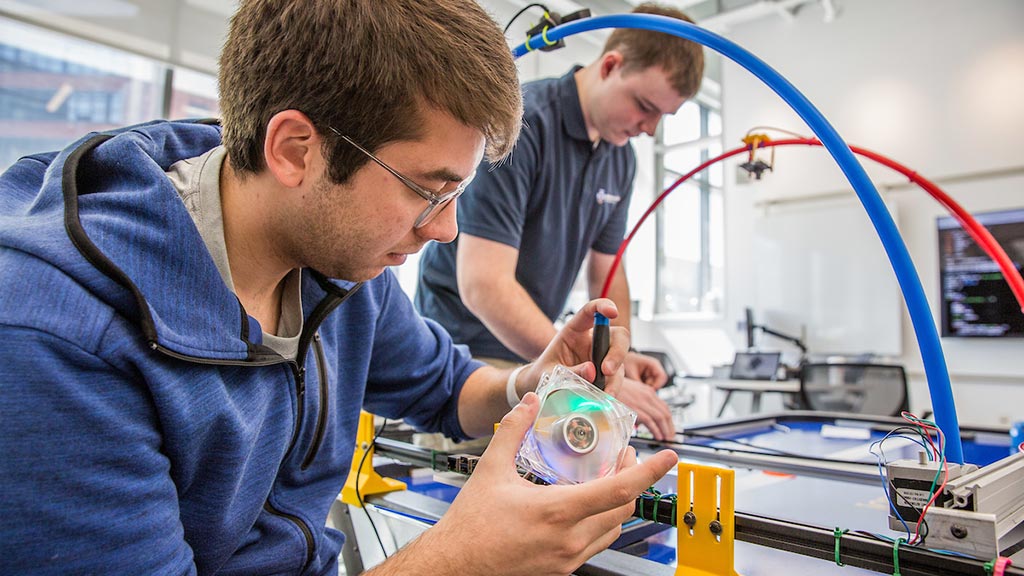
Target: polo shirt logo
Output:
{"points": [[606, 198]]}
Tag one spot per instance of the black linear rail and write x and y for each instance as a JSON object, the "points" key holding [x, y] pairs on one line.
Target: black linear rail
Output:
{"points": [[410, 454], [806, 540], [816, 542]]}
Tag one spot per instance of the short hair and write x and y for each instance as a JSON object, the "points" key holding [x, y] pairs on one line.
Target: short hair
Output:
{"points": [[682, 59], [367, 68]]}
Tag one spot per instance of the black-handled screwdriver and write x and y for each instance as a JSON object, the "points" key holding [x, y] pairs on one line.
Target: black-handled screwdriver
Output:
{"points": [[599, 346]]}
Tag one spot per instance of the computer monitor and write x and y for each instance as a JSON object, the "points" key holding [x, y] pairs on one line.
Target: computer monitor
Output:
{"points": [[976, 299], [755, 366]]}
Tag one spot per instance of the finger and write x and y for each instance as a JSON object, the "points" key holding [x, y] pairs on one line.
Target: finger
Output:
{"points": [[593, 526], [509, 436], [583, 320], [649, 421], [659, 416], [604, 541], [657, 377], [632, 372], [657, 383], [665, 423], [617, 350], [623, 488], [613, 386], [584, 370], [611, 521]]}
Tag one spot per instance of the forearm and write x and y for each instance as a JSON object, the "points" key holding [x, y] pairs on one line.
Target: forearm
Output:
{"points": [[483, 401], [513, 317], [423, 556]]}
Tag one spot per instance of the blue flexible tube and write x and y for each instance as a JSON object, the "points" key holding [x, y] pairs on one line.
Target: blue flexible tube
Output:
{"points": [[913, 293]]}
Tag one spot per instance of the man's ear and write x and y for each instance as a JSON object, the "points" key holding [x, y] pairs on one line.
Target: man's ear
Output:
{"points": [[291, 147], [610, 61]]}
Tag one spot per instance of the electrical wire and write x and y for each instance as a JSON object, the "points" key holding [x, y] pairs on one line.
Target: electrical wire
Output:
{"points": [[735, 441], [923, 429], [518, 14], [780, 130], [759, 450], [359, 496], [880, 458], [890, 540], [943, 468]]}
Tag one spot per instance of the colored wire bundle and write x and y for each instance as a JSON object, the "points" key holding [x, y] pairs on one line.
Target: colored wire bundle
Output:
{"points": [[936, 453], [940, 453]]}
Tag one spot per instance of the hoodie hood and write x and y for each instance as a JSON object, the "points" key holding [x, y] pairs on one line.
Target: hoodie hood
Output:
{"points": [[104, 212]]}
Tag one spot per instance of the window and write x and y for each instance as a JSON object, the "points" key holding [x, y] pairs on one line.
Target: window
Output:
{"points": [[193, 95], [55, 88], [690, 223]]}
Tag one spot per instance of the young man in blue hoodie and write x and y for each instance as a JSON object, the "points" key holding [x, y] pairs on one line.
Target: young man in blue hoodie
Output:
{"points": [[192, 318]]}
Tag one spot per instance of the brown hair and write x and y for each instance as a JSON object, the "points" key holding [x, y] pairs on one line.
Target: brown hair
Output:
{"points": [[682, 59], [366, 68]]}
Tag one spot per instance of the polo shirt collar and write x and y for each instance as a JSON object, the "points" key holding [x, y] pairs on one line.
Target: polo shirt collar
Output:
{"points": [[572, 116]]}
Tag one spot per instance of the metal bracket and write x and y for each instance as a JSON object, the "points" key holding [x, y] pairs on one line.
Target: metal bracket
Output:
{"points": [[986, 515], [367, 480], [707, 529]]}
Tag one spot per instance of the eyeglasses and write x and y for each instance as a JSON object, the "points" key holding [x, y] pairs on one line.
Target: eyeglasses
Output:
{"points": [[438, 200]]}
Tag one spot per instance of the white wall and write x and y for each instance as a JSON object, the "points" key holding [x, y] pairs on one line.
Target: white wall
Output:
{"points": [[937, 85]]}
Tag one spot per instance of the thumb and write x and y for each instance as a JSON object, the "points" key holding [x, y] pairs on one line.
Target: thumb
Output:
{"points": [[585, 370], [514, 425]]}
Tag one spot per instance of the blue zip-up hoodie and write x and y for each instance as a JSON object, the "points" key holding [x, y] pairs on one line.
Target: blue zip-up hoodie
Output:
{"points": [[144, 429]]}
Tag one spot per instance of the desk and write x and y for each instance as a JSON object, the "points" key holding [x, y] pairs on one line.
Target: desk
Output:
{"points": [[826, 497], [756, 387]]}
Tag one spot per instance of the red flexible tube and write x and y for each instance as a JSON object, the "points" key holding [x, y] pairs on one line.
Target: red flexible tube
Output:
{"points": [[979, 233]]}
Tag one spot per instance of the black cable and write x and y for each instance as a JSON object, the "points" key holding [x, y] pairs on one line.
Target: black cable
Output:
{"points": [[758, 450], [735, 441], [520, 13], [360, 496]]}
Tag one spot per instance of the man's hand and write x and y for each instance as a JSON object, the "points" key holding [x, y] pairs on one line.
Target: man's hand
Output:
{"points": [[502, 524], [645, 369], [571, 348], [651, 411]]}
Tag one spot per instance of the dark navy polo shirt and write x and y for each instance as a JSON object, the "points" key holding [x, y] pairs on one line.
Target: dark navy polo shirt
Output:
{"points": [[554, 199]]}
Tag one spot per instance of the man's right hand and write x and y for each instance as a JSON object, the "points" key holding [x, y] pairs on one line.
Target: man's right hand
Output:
{"points": [[503, 524]]}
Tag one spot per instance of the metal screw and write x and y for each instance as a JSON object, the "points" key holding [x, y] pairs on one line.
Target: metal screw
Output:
{"points": [[716, 527], [958, 531], [690, 519]]}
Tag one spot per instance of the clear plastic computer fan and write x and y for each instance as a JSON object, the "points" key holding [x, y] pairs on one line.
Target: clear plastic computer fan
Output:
{"points": [[580, 434]]}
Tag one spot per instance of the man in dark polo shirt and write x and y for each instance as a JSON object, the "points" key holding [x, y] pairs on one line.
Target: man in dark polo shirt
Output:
{"points": [[562, 199]]}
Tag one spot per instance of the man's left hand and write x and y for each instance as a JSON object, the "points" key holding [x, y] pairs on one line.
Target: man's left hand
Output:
{"points": [[645, 369]]}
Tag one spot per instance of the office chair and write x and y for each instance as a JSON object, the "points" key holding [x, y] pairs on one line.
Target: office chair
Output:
{"points": [[858, 388]]}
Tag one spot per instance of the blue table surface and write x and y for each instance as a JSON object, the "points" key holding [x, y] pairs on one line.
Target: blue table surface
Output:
{"points": [[805, 438], [817, 501]]}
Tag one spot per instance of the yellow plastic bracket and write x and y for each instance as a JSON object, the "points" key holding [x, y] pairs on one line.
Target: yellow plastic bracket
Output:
{"points": [[369, 481], [700, 551]]}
